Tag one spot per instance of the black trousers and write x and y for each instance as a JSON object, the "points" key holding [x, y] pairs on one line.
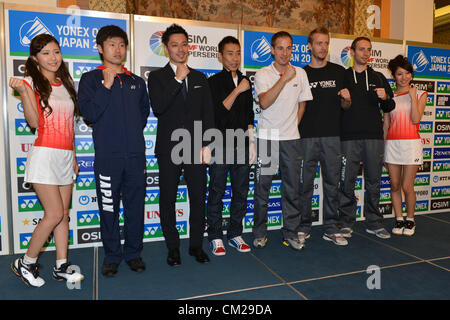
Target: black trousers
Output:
{"points": [[169, 177]]}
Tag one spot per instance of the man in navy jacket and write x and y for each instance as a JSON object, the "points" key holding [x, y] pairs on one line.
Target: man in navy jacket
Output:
{"points": [[116, 102]]}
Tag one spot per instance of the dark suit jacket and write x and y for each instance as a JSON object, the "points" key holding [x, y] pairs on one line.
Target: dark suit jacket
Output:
{"points": [[173, 112]]}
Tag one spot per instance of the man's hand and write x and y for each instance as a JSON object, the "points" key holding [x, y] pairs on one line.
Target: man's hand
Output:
{"points": [[289, 74], [205, 155], [108, 77], [182, 72], [244, 85], [381, 93], [344, 94], [252, 152]]}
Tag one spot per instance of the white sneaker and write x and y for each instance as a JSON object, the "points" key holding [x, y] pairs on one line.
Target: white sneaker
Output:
{"points": [[66, 272], [336, 238], [346, 232], [410, 228], [217, 247], [29, 273], [398, 228]]}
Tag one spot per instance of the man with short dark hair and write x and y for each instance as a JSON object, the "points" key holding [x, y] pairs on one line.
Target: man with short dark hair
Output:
{"points": [[362, 139], [181, 100], [233, 113], [281, 89], [320, 136], [116, 102]]}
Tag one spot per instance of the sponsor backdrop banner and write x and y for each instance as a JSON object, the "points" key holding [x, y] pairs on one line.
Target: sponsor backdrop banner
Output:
{"points": [[76, 35], [432, 69], [4, 232]]}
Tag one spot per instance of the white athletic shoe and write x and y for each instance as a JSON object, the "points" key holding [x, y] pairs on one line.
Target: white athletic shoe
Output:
{"points": [[29, 273], [66, 272]]}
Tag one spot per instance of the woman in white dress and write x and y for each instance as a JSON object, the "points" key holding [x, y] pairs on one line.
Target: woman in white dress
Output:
{"points": [[403, 148], [49, 103]]}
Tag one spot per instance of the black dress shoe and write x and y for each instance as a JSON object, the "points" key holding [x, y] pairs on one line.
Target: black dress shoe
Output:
{"points": [[109, 269], [136, 264], [173, 257], [199, 255]]}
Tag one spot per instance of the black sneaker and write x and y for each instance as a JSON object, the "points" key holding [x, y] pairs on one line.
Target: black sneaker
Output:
{"points": [[109, 269], [137, 265], [410, 228], [399, 226], [67, 273]]}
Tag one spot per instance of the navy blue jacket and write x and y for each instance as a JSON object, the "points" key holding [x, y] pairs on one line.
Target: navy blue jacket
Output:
{"points": [[118, 115]]}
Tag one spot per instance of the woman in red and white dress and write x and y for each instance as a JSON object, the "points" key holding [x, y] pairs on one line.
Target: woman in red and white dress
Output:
{"points": [[403, 148], [49, 103]]}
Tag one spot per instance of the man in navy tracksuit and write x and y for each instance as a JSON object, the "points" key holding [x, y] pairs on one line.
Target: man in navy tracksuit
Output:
{"points": [[116, 102]]}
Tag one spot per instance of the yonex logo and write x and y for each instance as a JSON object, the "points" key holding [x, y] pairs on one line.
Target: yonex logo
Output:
{"points": [[182, 227], [150, 127], [426, 126], [88, 218], [152, 231], [24, 239], [20, 162], [152, 197], [84, 145], [442, 113], [29, 203], [442, 140], [422, 180], [80, 68], [437, 192], [152, 162], [22, 128], [85, 182]]}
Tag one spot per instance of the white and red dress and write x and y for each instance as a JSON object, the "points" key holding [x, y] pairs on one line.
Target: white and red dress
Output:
{"points": [[50, 160], [403, 145]]}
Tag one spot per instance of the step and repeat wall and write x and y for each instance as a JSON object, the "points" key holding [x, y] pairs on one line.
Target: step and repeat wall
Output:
{"points": [[76, 34]]}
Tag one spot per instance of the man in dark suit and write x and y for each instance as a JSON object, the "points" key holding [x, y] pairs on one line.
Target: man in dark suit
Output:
{"points": [[181, 100]]}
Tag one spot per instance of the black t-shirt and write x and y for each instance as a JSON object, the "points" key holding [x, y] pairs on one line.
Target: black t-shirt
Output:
{"points": [[322, 117]]}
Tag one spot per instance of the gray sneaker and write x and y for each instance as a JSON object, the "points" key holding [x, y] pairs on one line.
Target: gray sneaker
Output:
{"points": [[303, 236], [260, 242], [346, 232], [336, 238], [294, 243], [380, 233]]}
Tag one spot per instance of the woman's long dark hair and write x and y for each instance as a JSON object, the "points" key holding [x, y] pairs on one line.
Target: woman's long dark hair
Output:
{"points": [[40, 82]]}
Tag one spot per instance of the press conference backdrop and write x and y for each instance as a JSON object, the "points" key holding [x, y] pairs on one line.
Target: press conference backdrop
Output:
{"points": [[76, 34], [4, 237]]}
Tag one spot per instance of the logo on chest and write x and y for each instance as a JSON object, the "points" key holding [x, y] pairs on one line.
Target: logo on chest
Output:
{"points": [[323, 84]]}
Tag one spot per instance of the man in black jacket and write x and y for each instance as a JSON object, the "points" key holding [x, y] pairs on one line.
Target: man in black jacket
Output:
{"points": [[234, 117], [362, 139], [181, 100]]}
